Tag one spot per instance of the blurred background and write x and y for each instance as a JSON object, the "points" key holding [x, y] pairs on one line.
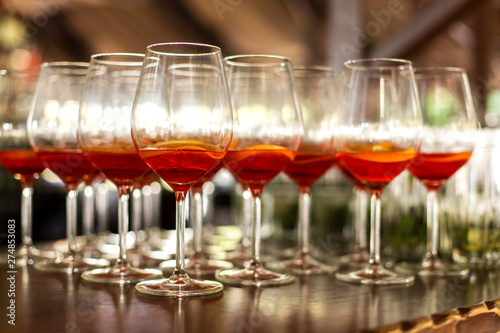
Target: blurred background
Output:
{"points": [[463, 33]]}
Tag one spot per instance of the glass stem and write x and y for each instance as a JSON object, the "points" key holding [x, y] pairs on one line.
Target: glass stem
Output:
{"points": [[88, 212], [156, 194], [374, 261], [137, 207], [180, 225], [247, 219], [361, 218], [256, 228], [197, 197], [102, 204], [147, 211], [26, 214], [123, 223], [432, 226], [147, 205], [304, 220], [71, 218]]}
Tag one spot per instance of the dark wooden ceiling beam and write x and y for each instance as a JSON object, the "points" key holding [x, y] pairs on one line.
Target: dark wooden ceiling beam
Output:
{"points": [[426, 23]]}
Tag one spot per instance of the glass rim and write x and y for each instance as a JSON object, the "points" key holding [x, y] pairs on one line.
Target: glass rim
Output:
{"points": [[64, 64], [371, 63], [315, 69], [439, 69], [76, 68], [152, 47], [279, 60], [18, 71], [101, 58]]}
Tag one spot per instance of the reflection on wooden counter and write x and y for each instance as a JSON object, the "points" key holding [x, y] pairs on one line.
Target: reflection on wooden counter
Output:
{"points": [[47, 302], [482, 317]]}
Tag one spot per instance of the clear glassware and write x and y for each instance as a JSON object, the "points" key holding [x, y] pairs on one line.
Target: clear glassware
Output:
{"points": [[376, 137], [104, 133], [317, 87], [88, 214], [182, 128], [52, 129], [267, 134], [448, 139], [475, 188], [359, 256], [155, 243], [242, 255], [17, 156], [198, 263]]}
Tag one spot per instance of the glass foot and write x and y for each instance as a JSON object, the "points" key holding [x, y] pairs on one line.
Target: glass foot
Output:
{"points": [[357, 259], [179, 285], [107, 243], [240, 258], [70, 265], [121, 274], [28, 255], [375, 274], [157, 253], [37, 253], [135, 258], [197, 266], [434, 268], [303, 264], [253, 275]]}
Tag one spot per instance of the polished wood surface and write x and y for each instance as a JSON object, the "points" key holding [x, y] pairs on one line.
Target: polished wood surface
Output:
{"points": [[46, 302]]}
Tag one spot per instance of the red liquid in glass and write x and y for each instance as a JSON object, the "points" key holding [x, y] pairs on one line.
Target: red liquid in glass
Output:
{"points": [[119, 166], [23, 162], [350, 176], [94, 178], [257, 167], [306, 168], [434, 169], [182, 163], [70, 166], [376, 165], [199, 184]]}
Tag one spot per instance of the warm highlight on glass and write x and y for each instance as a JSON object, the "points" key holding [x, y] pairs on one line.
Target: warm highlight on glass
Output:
{"points": [[447, 142], [359, 255], [267, 134], [317, 89], [52, 128], [104, 132], [376, 137], [17, 156], [198, 264], [182, 128]]}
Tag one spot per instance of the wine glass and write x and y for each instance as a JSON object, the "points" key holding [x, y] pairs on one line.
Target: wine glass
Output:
{"points": [[376, 138], [359, 256], [267, 134], [52, 129], [447, 143], [104, 133], [17, 156], [88, 212], [182, 128], [242, 255], [198, 264], [155, 244], [316, 87]]}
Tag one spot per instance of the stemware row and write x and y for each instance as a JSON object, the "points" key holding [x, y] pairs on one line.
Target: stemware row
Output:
{"points": [[184, 111]]}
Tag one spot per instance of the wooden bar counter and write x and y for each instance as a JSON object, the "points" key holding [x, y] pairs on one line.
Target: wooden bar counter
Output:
{"points": [[54, 303]]}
